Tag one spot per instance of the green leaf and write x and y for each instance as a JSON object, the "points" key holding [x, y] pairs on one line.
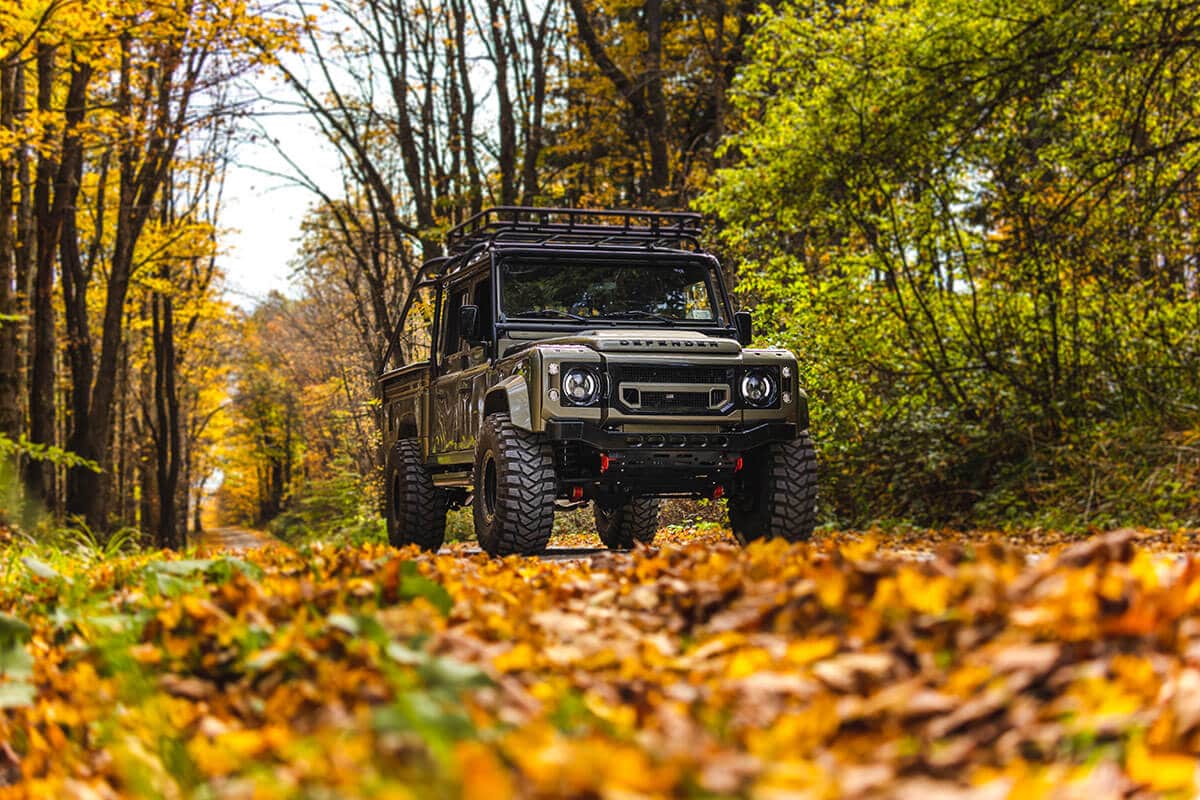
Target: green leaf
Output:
{"points": [[13, 629], [112, 623], [252, 571], [182, 568], [413, 584], [454, 674], [52, 455], [15, 662], [14, 695], [41, 569], [263, 660], [404, 655], [223, 569]]}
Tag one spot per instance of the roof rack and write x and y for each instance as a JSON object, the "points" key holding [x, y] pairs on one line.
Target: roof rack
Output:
{"points": [[527, 225]]}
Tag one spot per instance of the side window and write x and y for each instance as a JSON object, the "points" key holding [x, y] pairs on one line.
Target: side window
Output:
{"points": [[481, 297], [416, 333], [451, 343]]}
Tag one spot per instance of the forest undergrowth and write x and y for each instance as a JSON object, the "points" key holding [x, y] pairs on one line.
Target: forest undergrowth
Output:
{"points": [[915, 664]]}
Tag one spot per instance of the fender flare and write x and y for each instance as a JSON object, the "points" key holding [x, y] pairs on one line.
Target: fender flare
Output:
{"points": [[512, 396], [802, 421]]}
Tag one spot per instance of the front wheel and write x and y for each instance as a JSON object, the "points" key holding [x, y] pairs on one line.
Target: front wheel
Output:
{"points": [[416, 510], [515, 489], [635, 520], [778, 497]]}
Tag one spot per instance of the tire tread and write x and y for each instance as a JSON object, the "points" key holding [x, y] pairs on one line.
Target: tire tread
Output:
{"points": [[634, 521], [786, 504], [525, 490], [422, 517]]}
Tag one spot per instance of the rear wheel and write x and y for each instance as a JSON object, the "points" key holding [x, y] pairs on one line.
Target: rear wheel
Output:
{"points": [[778, 498], [416, 510], [515, 489], [622, 526]]}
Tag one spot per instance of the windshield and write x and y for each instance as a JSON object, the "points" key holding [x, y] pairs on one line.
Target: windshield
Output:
{"points": [[591, 290]]}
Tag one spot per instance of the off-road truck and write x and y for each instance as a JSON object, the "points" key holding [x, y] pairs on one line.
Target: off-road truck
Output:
{"points": [[556, 357]]}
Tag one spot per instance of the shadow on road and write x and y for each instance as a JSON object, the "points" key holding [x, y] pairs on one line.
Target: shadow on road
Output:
{"points": [[239, 540], [233, 539]]}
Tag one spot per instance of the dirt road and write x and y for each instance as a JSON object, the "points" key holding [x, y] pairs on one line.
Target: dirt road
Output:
{"points": [[234, 539]]}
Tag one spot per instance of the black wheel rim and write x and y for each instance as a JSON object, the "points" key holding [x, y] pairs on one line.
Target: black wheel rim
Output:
{"points": [[490, 484]]}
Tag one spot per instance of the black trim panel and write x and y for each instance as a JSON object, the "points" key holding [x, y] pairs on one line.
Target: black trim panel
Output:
{"points": [[738, 440]]}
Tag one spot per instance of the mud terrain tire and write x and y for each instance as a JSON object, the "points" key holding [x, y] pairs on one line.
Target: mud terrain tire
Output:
{"points": [[779, 494], [515, 489], [415, 509], [621, 527]]}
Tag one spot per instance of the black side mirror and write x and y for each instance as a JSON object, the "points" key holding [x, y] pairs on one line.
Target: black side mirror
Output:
{"points": [[745, 327], [468, 324]]}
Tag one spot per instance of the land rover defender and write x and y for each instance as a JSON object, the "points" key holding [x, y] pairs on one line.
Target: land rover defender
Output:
{"points": [[556, 357]]}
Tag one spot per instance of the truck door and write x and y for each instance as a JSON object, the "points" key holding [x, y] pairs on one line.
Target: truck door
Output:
{"points": [[447, 402], [477, 372]]}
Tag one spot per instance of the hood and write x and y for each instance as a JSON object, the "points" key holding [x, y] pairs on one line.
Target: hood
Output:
{"points": [[616, 340]]}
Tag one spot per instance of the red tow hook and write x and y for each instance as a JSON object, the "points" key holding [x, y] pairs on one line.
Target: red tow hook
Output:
{"points": [[718, 492], [737, 465], [604, 463]]}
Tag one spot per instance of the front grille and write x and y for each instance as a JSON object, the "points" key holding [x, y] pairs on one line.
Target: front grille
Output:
{"points": [[675, 402], [672, 389], [639, 373]]}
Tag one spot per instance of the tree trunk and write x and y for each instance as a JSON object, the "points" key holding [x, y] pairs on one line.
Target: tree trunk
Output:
{"points": [[123, 472], [39, 480], [656, 121], [643, 92], [507, 161], [75, 279], [474, 181], [185, 493], [142, 170], [535, 123], [166, 406], [10, 366], [144, 436], [23, 255]]}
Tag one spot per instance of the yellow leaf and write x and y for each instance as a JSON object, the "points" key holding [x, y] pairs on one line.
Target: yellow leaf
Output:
{"points": [[928, 594], [146, 653], [831, 589], [519, 658], [747, 662], [484, 776], [1162, 772], [807, 651]]}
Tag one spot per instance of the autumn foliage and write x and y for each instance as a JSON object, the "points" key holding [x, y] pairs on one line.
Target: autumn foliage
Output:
{"points": [[841, 668]]}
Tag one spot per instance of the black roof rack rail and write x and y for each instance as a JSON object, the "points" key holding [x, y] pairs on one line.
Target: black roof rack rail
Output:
{"points": [[576, 227]]}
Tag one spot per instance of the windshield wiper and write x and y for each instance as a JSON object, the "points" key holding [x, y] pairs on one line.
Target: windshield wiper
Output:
{"points": [[635, 313], [548, 312]]}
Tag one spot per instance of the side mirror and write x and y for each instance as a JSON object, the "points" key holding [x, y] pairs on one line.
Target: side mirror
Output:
{"points": [[745, 327], [468, 324]]}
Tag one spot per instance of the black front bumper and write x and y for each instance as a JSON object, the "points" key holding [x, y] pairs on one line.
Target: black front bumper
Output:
{"points": [[606, 465], [735, 441]]}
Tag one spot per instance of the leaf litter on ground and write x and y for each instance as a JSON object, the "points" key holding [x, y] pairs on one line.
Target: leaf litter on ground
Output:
{"points": [[841, 668]]}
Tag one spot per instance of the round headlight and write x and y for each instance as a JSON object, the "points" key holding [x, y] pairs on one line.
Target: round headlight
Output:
{"points": [[581, 386], [758, 388]]}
